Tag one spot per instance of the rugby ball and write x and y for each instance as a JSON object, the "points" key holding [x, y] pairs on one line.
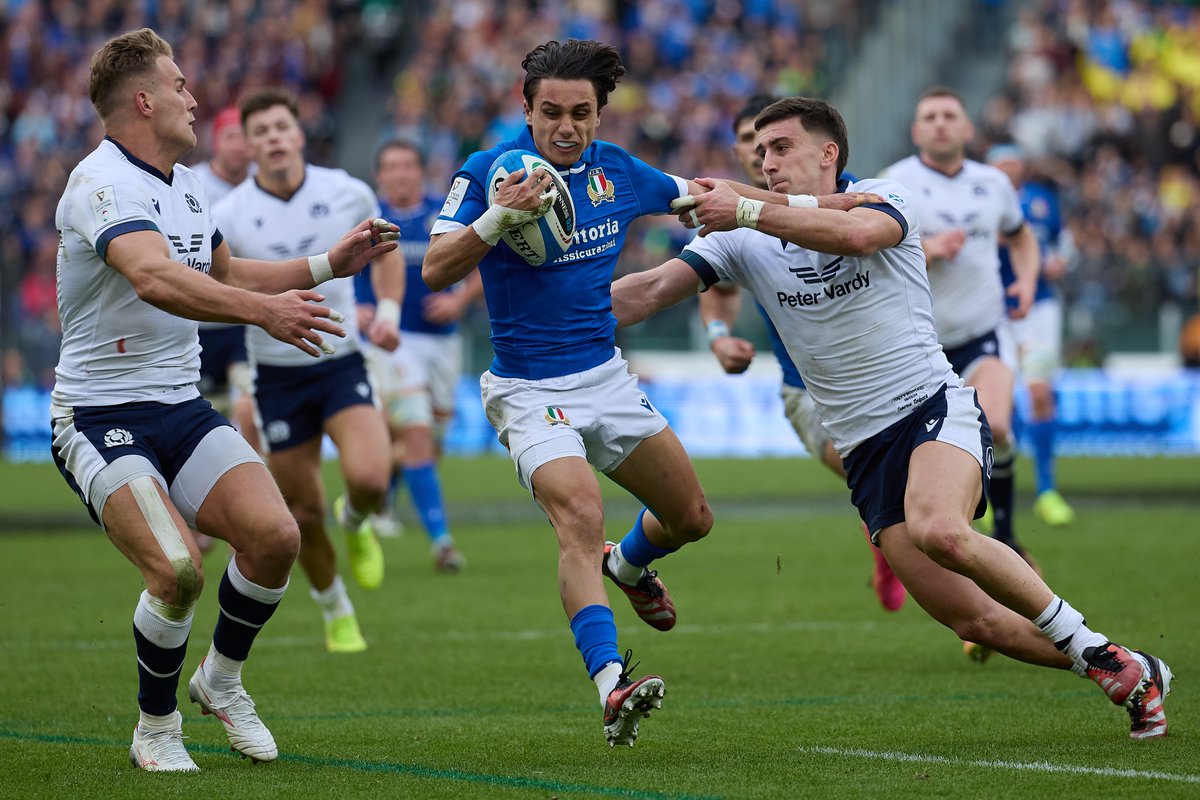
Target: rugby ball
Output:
{"points": [[545, 239]]}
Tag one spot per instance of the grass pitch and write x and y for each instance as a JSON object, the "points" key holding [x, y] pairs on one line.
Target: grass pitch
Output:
{"points": [[784, 676]]}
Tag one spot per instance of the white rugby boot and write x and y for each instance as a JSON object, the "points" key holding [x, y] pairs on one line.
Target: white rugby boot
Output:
{"points": [[248, 736], [162, 750]]}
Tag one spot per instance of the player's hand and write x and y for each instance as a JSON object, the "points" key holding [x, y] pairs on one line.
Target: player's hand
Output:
{"points": [[714, 210], [844, 201], [1024, 292], [292, 317], [444, 307], [383, 334], [733, 353], [1054, 267], [367, 240], [364, 314], [534, 196], [944, 245]]}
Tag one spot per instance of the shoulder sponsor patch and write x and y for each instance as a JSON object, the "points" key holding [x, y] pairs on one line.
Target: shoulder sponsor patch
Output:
{"points": [[104, 205], [458, 191]]}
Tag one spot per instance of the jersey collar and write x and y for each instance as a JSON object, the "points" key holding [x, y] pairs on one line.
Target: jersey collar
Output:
{"points": [[524, 141], [932, 168], [142, 165]]}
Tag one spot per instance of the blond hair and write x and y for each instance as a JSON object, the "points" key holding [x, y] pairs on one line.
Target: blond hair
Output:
{"points": [[132, 54]]}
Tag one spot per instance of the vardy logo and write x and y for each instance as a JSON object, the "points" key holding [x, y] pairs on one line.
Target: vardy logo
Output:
{"points": [[808, 274]]}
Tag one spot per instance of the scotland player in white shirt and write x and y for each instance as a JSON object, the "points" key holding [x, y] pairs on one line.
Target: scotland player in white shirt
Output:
{"points": [[140, 259], [294, 208], [915, 443], [964, 208]]}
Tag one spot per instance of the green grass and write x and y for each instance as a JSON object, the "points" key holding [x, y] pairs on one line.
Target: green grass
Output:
{"points": [[785, 678]]}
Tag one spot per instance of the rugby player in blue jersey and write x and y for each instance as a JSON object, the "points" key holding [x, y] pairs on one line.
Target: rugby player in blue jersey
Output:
{"points": [[417, 381], [558, 391], [1039, 334]]}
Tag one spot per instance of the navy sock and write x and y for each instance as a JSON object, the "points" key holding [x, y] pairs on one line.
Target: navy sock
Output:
{"points": [[161, 647], [245, 608], [1001, 491]]}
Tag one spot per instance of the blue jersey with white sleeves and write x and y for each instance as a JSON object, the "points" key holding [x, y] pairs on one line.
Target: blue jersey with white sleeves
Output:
{"points": [[557, 319], [414, 224], [1040, 204]]}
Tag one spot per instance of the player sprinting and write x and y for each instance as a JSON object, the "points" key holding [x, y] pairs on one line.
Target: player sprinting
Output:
{"points": [[418, 380], [140, 259], [291, 208], [719, 309], [914, 440], [1039, 334]]}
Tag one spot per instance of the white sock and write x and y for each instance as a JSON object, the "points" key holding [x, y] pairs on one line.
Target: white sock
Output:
{"points": [[221, 672], [152, 722], [333, 600], [606, 679], [622, 569], [354, 517], [1066, 628]]}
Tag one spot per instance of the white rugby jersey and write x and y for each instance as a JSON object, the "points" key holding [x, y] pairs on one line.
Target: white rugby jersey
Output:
{"points": [[259, 225], [860, 330], [116, 348], [968, 296]]}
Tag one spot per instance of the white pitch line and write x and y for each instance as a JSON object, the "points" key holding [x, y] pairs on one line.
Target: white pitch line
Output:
{"points": [[283, 642], [1027, 766]]}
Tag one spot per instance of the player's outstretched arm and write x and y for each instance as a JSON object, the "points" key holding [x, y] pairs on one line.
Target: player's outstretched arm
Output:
{"points": [[642, 294], [369, 239], [719, 309], [141, 256], [861, 232]]}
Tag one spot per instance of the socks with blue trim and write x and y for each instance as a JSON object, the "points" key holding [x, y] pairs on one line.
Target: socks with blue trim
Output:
{"points": [[634, 552]]}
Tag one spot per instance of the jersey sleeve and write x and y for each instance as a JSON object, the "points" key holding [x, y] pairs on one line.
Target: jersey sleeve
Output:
{"points": [[466, 200], [369, 203], [897, 202], [655, 189], [107, 206], [714, 257], [224, 216]]}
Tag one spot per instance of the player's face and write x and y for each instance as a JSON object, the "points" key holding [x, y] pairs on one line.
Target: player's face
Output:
{"points": [[173, 106], [941, 128], [231, 150], [400, 177], [745, 150], [276, 141], [564, 116], [795, 161]]}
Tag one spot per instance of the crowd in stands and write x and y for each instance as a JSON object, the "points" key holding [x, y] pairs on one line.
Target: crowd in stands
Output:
{"points": [[1103, 94]]}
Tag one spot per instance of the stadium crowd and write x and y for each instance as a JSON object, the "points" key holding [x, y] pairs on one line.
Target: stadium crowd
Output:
{"points": [[1105, 96]]}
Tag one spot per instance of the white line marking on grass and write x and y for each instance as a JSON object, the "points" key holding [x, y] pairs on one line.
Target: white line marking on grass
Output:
{"points": [[1027, 766], [529, 634]]}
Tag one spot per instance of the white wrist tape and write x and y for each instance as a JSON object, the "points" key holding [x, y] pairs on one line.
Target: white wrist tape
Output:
{"points": [[320, 268], [748, 211], [802, 201], [716, 329], [388, 311]]}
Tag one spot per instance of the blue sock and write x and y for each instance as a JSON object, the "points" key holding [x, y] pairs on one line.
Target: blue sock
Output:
{"points": [[596, 637], [1042, 433], [637, 549], [426, 491]]}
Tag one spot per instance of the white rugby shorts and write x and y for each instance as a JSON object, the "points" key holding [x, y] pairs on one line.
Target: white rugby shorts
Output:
{"points": [[599, 414], [1039, 341], [800, 411]]}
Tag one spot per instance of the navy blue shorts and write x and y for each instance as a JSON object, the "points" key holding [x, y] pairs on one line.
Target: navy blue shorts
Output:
{"points": [[877, 469], [220, 347], [967, 353], [93, 437], [294, 402]]}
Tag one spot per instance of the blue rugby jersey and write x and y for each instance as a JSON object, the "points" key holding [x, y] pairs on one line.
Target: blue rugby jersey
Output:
{"points": [[1040, 205], [557, 319], [415, 224]]}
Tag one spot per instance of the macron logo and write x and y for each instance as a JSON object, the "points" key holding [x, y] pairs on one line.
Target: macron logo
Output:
{"points": [[929, 426]]}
